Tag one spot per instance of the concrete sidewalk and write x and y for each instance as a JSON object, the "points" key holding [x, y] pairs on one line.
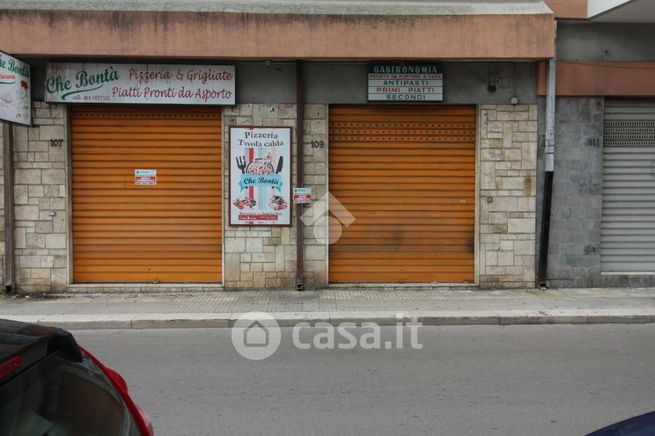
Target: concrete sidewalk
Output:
{"points": [[385, 306]]}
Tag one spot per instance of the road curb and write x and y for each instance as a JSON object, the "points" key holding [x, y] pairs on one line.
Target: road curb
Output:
{"points": [[382, 318]]}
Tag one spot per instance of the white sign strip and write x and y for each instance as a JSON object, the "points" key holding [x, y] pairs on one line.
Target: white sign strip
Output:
{"points": [[15, 90], [140, 84], [372, 77], [405, 89], [405, 97]]}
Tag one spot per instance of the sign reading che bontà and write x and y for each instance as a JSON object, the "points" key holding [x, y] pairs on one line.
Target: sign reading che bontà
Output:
{"points": [[15, 96], [140, 84]]}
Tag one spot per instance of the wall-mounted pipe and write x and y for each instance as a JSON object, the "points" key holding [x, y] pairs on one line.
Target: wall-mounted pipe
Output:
{"points": [[300, 132], [8, 178], [549, 169]]}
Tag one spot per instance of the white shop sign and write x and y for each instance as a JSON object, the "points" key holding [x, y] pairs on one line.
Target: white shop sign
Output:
{"points": [[15, 95], [402, 82], [140, 84]]}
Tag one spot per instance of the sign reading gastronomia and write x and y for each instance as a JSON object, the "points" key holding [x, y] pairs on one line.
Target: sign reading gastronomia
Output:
{"points": [[260, 176], [140, 84], [403, 82], [15, 95]]}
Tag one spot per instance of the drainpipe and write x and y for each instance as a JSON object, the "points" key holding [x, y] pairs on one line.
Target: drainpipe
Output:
{"points": [[300, 130], [549, 169], [8, 176]]}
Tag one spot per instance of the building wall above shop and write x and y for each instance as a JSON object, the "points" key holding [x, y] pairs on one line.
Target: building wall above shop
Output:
{"points": [[615, 42], [312, 7], [464, 82], [468, 34], [345, 82], [568, 9], [603, 59]]}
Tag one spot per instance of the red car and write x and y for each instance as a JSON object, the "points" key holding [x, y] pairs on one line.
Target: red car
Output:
{"points": [[49, 385]]}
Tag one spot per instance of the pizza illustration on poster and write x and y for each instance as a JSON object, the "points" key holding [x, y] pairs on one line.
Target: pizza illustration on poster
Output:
{"points": [[260, 176]]}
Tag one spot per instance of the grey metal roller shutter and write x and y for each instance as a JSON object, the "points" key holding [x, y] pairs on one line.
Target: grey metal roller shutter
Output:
{"points": [[628, 228]]}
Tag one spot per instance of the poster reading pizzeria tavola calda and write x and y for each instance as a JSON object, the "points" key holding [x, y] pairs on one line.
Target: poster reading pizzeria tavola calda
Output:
{"points": [[260, 176]]}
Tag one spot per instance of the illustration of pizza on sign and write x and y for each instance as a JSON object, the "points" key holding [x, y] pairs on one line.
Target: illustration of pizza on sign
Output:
{"points": [[260, 180]]}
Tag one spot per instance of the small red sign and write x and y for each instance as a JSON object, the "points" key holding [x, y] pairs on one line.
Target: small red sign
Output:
{"points": [[145, 177], [302, 195], [258, 217]]}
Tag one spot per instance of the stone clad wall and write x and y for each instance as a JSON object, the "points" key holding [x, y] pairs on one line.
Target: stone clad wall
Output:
{"points": [[253, 257], [258, 257], [40, 196], [265, 257], [507, 217]]}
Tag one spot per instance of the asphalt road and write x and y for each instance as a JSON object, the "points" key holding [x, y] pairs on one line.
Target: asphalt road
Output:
{"points": [[519, 380]]}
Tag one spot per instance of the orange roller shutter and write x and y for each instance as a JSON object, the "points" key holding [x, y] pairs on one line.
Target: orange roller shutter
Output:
{"points": [[407, 175], [164, 233]]}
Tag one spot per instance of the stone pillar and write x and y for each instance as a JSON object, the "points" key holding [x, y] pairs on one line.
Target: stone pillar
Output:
{"points": [[576, 218], [315, 218], [507, 217], [265, 257], [41, 201]]}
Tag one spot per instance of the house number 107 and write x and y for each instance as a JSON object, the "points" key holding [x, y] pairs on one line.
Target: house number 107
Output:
{"points": [[56, 143]]}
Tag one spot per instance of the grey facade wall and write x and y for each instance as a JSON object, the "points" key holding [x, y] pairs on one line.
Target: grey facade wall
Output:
{"points": [[574, 257], [574, 249], [605, 42]]}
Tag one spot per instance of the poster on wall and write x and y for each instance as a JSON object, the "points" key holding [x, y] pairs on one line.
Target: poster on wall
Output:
{"points": [[405, 82], [260, 176], [140, 84], [15, 92]]}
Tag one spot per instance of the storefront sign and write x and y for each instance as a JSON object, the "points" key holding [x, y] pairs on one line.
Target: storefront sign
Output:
{"points": [[15, 99], [405, 82], [145, 177], [260, 176], [140, 84], [302, 195]]}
